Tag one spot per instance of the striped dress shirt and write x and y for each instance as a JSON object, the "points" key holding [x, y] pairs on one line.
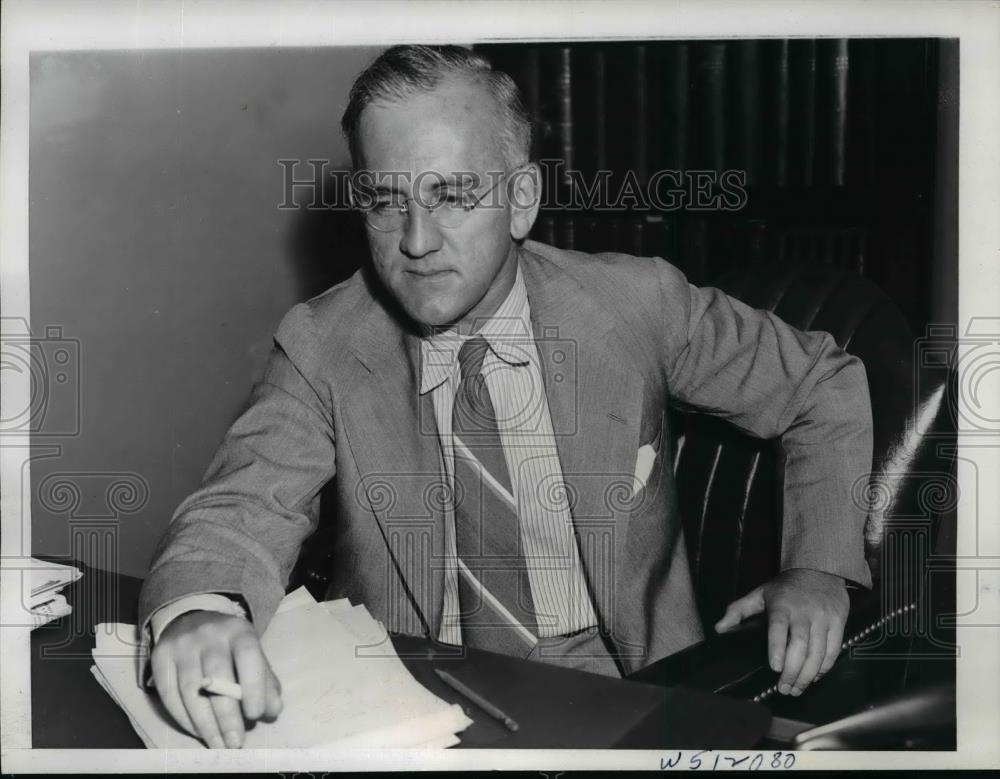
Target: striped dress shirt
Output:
{"points": [[514, 378]]}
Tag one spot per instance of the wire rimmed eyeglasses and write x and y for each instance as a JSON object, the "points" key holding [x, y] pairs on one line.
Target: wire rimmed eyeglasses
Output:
{"points": [[386, 212]]}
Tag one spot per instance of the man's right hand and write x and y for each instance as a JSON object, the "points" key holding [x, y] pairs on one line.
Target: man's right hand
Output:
{"points": [[206, 643]]}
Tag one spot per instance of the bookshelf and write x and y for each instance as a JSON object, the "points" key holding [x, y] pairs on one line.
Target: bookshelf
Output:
{"points": [[837, 139]]}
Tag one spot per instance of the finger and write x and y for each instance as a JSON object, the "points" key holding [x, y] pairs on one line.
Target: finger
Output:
{"points": [[251, 673], [189, 676], [834, 640], [272, 699], [165, 679], [777, 638], [730, 619], [795, 655], [227, 711], [814, 656], [740, 609]]}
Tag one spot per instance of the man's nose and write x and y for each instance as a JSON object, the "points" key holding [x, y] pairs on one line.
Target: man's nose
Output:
{"points": [[421, 234]]}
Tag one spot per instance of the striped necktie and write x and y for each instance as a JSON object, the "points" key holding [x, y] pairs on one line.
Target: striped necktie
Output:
{"points": [[497, 612]]}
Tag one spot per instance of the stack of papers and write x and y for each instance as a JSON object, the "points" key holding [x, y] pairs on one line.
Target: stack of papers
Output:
{"points": [[45, 581], [343, 685]]}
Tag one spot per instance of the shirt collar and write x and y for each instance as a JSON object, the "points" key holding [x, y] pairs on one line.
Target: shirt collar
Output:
{"points": [[508, 332]]}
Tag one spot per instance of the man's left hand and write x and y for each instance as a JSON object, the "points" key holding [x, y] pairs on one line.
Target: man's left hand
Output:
{"points": [[806, 613]]}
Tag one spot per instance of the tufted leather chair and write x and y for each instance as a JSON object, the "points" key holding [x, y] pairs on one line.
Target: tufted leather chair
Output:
{"points": [[729, 495]]}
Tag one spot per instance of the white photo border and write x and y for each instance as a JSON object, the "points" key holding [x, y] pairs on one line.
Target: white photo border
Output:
{"points": [[124, 24]]}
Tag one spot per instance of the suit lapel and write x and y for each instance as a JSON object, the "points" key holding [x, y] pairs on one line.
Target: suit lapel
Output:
{"points": [[595, 401], [392, 434]]}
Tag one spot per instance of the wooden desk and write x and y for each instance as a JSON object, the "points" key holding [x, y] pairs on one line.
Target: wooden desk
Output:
{"points": [[556, 707]]}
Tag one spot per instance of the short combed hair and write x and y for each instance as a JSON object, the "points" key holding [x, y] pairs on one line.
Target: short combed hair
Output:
{"points": [[403, 71]]}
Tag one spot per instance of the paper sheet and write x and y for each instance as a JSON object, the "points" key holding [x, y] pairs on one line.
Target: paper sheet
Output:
{"points": [[342, 685], [45, 578]]}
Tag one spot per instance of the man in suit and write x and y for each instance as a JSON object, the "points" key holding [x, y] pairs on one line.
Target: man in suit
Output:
{"points": [[491, 413]]}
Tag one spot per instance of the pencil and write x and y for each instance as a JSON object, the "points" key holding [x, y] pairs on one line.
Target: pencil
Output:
{"points": [[477, 699], [220, 687]]}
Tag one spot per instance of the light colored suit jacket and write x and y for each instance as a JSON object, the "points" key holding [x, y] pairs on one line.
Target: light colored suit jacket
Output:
{"points": [[619, 338]]}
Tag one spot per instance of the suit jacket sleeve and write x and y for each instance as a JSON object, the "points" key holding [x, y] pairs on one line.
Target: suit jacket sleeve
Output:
{"points": [[772, 380], [239, 534]]}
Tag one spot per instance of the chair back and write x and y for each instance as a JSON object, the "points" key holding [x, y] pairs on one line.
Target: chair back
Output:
{"points": [[729, 485]]}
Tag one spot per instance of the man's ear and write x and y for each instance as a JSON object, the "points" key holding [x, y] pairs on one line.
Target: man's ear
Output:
{"points": [[525, 195]]}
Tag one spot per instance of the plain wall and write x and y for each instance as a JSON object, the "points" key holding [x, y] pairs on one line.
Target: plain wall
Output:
{"points": [[157, 246]]}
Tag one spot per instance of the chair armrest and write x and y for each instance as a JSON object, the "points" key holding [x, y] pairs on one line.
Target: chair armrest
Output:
{"points": [[715, 664], [735, 662]]}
